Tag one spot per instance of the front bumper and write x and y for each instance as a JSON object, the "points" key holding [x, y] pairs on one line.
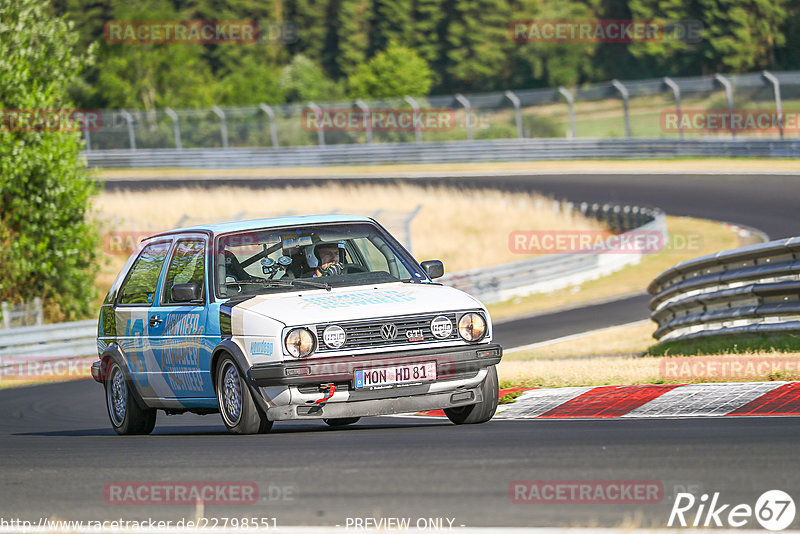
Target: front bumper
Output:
{"points": [[451, 363], [97, 371], [388, 406]]}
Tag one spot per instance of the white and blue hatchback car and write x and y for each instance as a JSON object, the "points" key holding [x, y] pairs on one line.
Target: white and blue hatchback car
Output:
{"points": [[324, 317]]}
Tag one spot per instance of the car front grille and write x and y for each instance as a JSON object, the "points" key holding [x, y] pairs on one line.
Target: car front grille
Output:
{"points": [[362, 334]]}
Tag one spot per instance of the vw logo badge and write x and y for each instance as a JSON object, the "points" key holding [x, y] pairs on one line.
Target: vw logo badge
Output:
{"points": [[388, 331]]}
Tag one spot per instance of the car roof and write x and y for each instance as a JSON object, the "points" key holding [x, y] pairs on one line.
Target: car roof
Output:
{"points": [[274, 222]]}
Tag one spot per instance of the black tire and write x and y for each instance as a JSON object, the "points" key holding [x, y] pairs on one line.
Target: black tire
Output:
{"points": [[125, 414], [482, 411], [341, 421], [236, 406]]}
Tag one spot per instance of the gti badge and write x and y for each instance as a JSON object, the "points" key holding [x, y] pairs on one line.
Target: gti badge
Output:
{"points": [[415, 334]]}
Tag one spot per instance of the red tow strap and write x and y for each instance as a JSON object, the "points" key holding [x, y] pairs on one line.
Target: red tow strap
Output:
{"points": [[331, 391]]}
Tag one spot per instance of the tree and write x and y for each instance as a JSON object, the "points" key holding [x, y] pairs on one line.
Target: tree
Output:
{"points": [[396, 72], [150, 76], [476, 45], [737, 35], [352, 34], [303, 80], [312, 27], [47, 246], [394, 22], [559, 63]]}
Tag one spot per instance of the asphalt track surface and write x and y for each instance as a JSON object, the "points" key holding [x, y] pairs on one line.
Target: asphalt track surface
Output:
{"points": [[58, 453]]}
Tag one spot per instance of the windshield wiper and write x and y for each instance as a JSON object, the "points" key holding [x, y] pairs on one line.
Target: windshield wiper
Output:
{"points": [[283, 283]]}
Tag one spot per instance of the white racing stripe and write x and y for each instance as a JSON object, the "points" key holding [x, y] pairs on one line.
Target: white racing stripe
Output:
{"points": [[535, 402], [702, 400]]}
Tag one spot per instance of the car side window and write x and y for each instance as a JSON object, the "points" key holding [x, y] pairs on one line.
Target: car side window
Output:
{"points": [[187, 266], [140, 286]]}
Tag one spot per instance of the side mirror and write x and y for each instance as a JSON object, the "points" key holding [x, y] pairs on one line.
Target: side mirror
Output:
{"points": [[434, 268], [185, 292]]}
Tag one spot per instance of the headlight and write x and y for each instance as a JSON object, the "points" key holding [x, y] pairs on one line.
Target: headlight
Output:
{"points": [[300, 342], [472, 327]]}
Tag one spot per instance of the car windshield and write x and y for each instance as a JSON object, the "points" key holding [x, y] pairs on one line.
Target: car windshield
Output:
{"points": [[310, 257]]}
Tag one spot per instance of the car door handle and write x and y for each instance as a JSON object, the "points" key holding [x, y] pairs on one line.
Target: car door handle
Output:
{"points": [[155, 321]]}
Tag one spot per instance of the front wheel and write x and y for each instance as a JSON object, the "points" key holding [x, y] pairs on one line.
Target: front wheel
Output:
{"points": [[127, 417], [239, 412], [482, 411]]}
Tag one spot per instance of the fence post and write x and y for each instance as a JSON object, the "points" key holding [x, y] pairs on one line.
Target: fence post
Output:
{"points": [[37, 306], [571, 104], [517, 112], [320, 132], [776, 87], [417, 131], [272, 129], [623, 91], [6, 314], [223, 128], [468, 110], [407, 225], [367, 119], [677, 92], [86, 134], [176, 127], [131, 134], [726, 83]]}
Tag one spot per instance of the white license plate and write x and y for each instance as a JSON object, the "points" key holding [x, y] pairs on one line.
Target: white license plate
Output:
{"points": [[395, 375]]}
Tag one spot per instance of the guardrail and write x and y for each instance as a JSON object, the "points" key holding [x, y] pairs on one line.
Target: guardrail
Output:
{"points": [[443, 152], [24, 314], [48, 342], [556, 271], [754, 289]]}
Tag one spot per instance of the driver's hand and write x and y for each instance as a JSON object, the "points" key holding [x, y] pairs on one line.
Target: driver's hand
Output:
{"points": [[331, 269]]}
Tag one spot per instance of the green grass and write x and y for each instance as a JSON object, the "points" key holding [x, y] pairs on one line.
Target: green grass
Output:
{"points": [[508, 398], [728, 344]]}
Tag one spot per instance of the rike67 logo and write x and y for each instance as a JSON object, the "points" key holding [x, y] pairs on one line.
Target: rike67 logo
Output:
{"points": [[774, 510]]}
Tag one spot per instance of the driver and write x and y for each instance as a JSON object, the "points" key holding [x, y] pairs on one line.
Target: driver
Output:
{"points": [[330, 263]]}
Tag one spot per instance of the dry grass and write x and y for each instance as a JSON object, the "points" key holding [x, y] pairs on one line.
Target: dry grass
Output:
{"points": [[706, 237], [625, 340], [464, 228]]}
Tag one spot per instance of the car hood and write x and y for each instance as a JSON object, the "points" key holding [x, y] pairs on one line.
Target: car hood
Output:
{"points": [[360, 302]]}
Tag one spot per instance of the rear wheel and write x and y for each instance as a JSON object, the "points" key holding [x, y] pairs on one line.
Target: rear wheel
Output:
{"points": [[342, 421], [126, 416], [482, 411], [239, 412]]}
